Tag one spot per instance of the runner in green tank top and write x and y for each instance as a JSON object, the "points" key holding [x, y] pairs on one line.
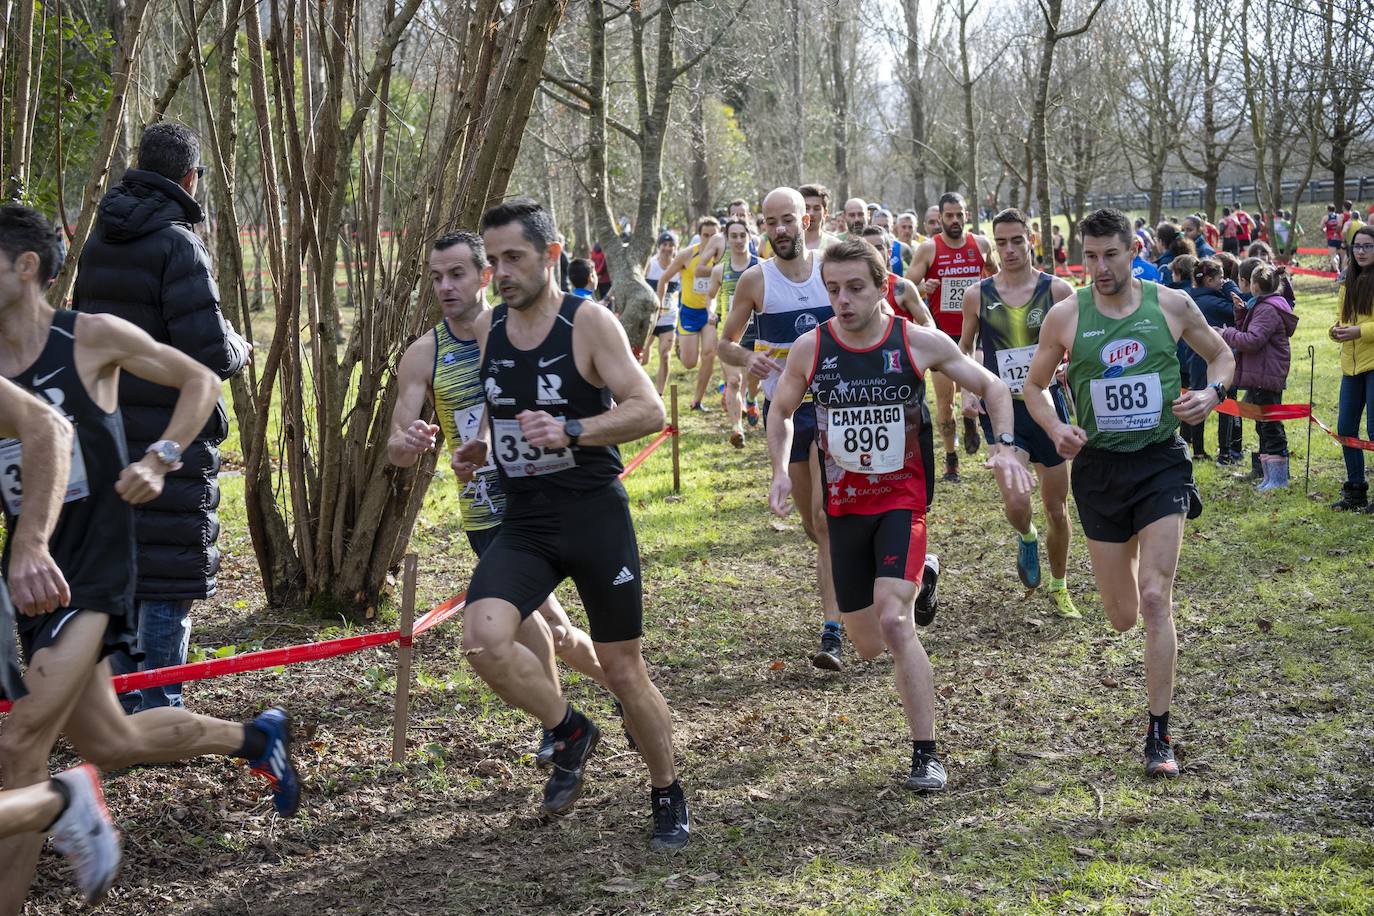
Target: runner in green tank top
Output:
{"points": [[1003, 315], [1132, 478]]}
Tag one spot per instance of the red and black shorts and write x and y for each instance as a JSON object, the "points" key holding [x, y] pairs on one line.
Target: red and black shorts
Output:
{"points": [[890, 545]]}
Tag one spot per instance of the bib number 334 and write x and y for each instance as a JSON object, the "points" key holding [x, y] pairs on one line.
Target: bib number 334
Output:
{"points": [[521, 459]]}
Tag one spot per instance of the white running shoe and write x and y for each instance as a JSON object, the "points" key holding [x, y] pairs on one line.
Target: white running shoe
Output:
{"points": [[85, 834]]}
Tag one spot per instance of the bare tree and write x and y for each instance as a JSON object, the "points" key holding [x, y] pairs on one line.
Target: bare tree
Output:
{"points": [[1158, 93]]}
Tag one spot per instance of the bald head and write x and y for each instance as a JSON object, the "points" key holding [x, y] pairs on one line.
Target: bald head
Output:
{"points": [[784, 200], [855, 215]]}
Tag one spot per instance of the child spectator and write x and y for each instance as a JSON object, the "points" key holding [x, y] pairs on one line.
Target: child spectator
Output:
{"points": [[1212, 292]]}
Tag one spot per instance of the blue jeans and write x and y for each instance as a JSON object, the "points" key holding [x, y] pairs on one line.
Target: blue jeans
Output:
{"points": [[1357, 397], [164, 637]]}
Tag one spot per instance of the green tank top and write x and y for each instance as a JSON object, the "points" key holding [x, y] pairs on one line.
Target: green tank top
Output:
{"points": [[459, 401], [1008, 334], [1124, 374]]}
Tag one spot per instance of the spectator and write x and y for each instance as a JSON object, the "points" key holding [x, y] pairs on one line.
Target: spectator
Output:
{"points": [[1331, 223], [1170, 244], [582, 278], [143, 263], [603, 276], [1146, 241], [1193, 229], [1354, 331], [1061, 254], [1260, 339], [1141, 267], [1212, 292]]}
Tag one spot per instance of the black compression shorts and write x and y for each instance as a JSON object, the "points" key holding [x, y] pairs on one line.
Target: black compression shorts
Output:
{"points": [[1119, 493], [890, 545], [589, 538]]}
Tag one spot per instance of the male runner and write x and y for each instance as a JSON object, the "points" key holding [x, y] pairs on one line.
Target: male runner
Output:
{"points": [[562, 391], [724, 279], [443, 367], [665, 324], [906, 231], [817, 200], [943, 268], [786, 297], [864, 369], [1003, 314], [696, 319], [73, 362], [901, 295], [70, 807], [1132, 478], [855, 217], [933, 225]]}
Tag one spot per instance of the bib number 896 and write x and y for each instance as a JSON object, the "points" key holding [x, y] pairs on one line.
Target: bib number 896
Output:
{"points": [[866, 439]]}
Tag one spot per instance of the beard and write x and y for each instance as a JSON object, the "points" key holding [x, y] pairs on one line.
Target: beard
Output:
{"points": [[785, 247], [955, 232]]}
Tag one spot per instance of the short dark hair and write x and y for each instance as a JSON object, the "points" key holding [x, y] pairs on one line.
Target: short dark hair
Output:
{"points": [[580, 272], [738, 202], [1247, 267], [857, 250], [1230, 264], [1011, 215], [1260, 249], [816, 190], [463, 237], [871, 229], [735, 221], [1207, 269], [1105, 222], [1184, 267], [951, 197], [24, 229], [707, 220], [536, 225], [170, 150]]}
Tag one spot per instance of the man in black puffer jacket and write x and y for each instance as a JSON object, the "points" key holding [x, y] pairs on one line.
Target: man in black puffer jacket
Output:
{"points": [[144, 264]]}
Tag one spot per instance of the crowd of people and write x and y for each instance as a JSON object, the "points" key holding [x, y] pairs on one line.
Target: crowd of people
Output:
{"points": [[827, 328]]}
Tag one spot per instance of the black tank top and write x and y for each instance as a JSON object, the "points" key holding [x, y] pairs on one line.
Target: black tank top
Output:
{"points": [[93, 543], [544, 378]]}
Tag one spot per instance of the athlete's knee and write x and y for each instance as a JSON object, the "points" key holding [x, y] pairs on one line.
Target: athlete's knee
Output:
{"points": [[1156, 603], [899, 629], [625, 674], [23, 755]]}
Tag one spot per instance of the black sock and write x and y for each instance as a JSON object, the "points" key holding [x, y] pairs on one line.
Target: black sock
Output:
{"points": [[570, 729], [61, 789], [254, 743], [952, 458], [924, 747], [1159, 726], [673, 791]]}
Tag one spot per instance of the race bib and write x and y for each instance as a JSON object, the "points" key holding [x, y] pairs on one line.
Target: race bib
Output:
{"points": [[867, 440], [952, 291], [521, 459], [1013, 366], [11, 475], [701, 285], [467, 422], [1125, 404]]}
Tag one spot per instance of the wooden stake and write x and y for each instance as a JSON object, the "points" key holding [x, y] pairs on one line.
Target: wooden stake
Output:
{"points": [[402, 712], [677, 467]]}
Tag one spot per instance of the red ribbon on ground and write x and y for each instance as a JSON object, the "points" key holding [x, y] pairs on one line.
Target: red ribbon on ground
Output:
{"points": [[315, 651]]}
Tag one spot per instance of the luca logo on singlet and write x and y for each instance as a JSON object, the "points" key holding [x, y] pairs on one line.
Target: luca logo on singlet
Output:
{"points": [[1120, 355], [548, 393]]}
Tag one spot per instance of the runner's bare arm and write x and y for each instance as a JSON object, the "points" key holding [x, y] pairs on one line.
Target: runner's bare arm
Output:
{"points": [[672, 270], [410, 436], [1182, 312], [910, 300], [920, 263], [637, 411], [709, 253], [1056, 333], [990, 263], [787, 397], [748, 299], [36, 584], [968, 335], [713, 289]]}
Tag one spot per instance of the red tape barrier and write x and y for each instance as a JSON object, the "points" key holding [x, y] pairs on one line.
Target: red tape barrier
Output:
{"points": [[315, 651], [1277, 412]]}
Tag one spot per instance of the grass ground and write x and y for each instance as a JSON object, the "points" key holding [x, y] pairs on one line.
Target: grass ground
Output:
{"points": [[794, 774]]}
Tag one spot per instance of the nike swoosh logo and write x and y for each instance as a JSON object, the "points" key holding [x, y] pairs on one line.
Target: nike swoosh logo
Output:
{"points": [[40, 379], [545, 363]]}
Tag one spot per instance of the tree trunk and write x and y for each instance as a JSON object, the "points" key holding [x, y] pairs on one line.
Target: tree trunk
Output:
{"points": [[700, 180], [970, 129], [915, 98], [17, 164], [839, 122]]}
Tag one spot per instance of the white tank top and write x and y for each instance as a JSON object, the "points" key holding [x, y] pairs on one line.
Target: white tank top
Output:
{"points": [[789, 311], [668, 316]]}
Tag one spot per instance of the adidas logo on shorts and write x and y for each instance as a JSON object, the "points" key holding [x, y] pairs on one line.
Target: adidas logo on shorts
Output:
{"points": [[623, 576]]}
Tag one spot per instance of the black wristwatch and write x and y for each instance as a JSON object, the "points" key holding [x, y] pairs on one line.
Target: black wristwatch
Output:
{"points": [[1007, 439], [573, 428], [1220, 389]]}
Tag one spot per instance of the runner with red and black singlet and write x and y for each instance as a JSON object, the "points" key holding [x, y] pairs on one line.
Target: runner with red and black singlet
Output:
{"points": [[864, 370], [1132, 479], [73, 362], [943, 268], [563, 390], [901, 293]]}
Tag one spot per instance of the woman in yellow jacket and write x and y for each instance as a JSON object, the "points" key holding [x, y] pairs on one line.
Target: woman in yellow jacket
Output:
{"points": [[1354, 330]]}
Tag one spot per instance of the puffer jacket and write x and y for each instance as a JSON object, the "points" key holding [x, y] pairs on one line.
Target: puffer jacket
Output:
{"points": [[1263, 354], [145, 265]]}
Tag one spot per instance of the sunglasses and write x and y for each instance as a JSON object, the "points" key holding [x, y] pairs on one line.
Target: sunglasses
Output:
{"points": [[200, 171]]}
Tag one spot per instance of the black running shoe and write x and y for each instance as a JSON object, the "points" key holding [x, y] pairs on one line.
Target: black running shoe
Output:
{"points": [[830, 655], [569, 757], [970, 435], [619, 712], [951, 468], [1159, 758], [672, 823], [928, 598], [543, 754], [927, 773]]}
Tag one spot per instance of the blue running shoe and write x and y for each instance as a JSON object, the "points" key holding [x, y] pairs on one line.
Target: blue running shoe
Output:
{"points": [[1028, 562], [275, 763]]}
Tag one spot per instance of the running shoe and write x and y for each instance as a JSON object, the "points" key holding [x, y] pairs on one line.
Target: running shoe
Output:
{"points": [[275, 763], [752, 415], [619, 712], [1028, 561], [1063, 603], [698, 407], [85, 834], [830, 656], [1159, 758], [672, 823], [928, 599], [565, 783], [951, 468], [737, 437], [970, 435], [927, 773], [543, 754]]}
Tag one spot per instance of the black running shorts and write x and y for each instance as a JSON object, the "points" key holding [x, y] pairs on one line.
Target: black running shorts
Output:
{"points": [[547, 537], [890, 545], [1030, 438], [803, 430], [1119, 493], [11, 674]]}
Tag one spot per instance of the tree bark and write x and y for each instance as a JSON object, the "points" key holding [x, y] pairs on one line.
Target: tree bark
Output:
{"points": [[915, 98], [698, 178], [839, 122]]}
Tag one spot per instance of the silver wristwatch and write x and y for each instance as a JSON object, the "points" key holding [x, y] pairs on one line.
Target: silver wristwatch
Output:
{"points": [[167, 452]]}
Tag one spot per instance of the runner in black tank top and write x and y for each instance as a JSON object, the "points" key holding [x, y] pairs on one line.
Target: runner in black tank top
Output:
{"points": [[554, 421]]}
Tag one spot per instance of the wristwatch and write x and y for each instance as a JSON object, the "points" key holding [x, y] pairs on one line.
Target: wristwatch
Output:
{"points": [[1007, 439], [1220, 389], [167, 452], [573, 428]]}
